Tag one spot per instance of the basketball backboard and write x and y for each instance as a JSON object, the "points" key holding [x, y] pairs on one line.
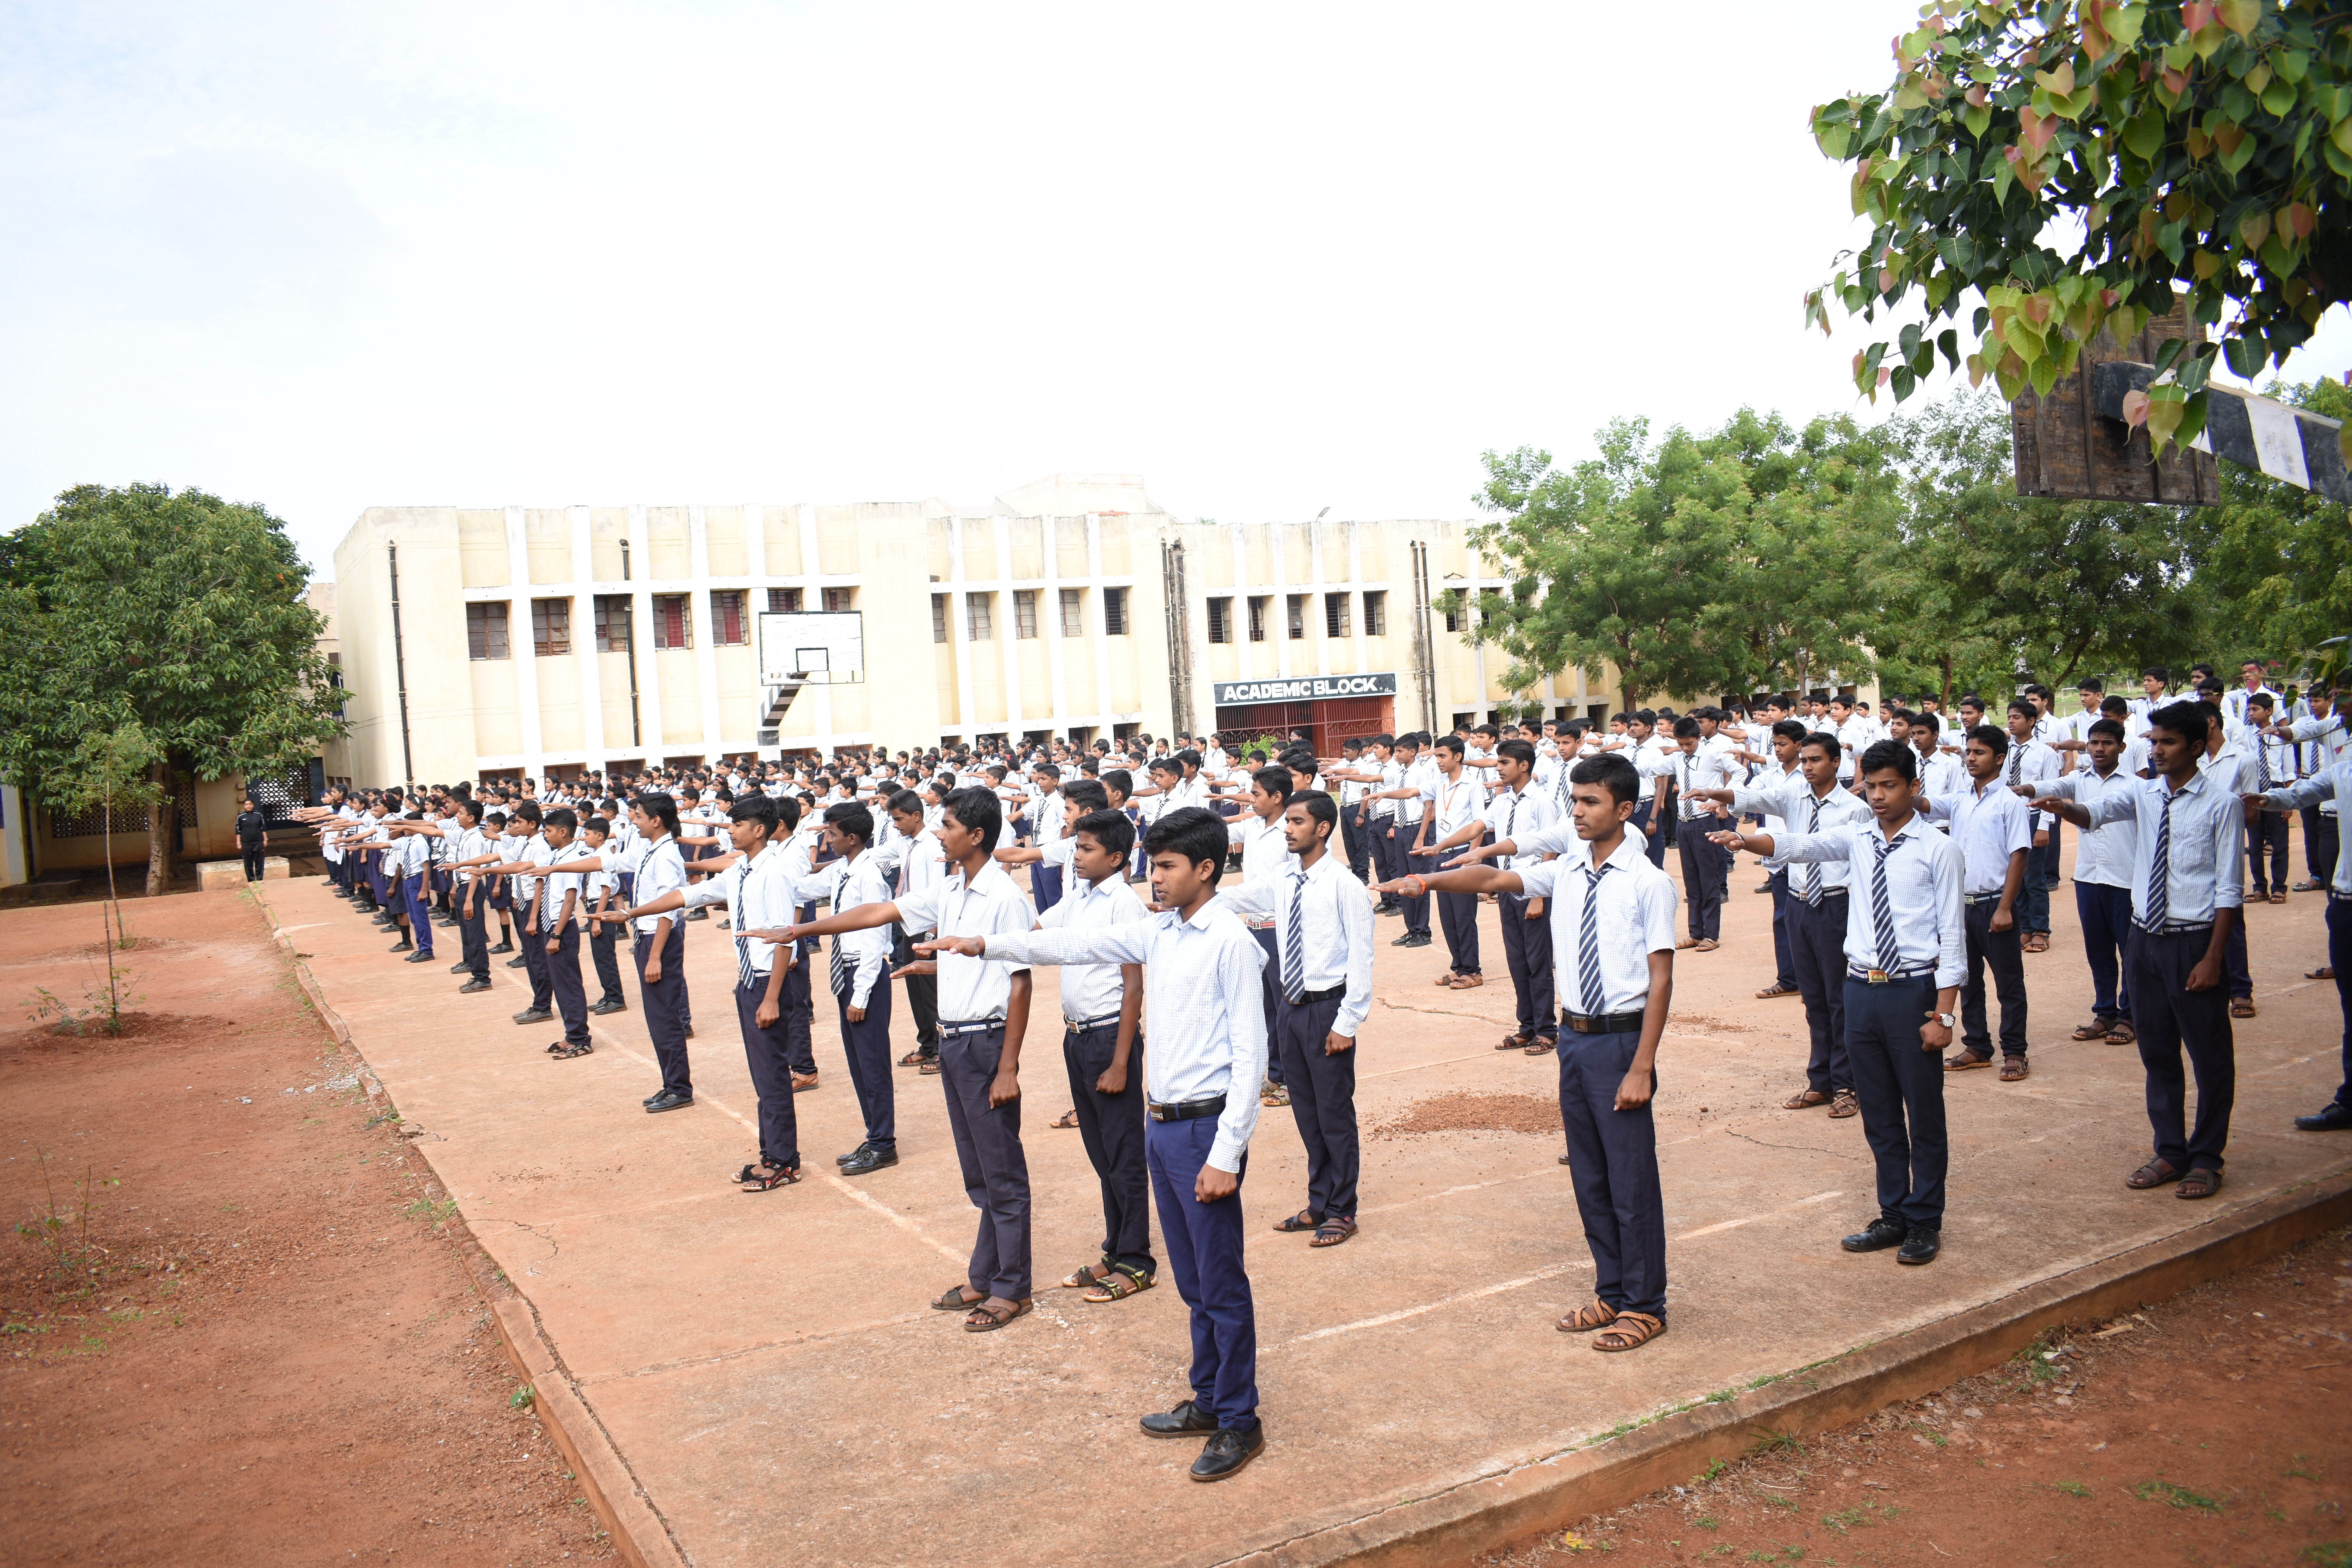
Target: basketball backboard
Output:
{"points": [[822, 647]]}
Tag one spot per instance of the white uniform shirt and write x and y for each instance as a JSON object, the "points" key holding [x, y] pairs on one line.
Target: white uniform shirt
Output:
{"points": [[1335, 932], [1201, 992], [2102, 855], [1923, 894], [1266, 851], [1636, 918], [1800, 813], [2330, 786], [660, 869], [1093, 991], [1453, 804], [970, 989], [1989, 825], [849, 885], [1518, 815], [758, 896], [2204, 847]]}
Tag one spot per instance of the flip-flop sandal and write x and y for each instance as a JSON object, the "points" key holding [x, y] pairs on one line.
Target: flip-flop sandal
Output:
{"points": [[2198, 1184], [1965, 1061], [1120, 1283], [1584, 1320], [1334, 1231], [952, 1301], [1067, 1119], [1087, 1278], [986, 1319], [1305, 1219], [2013, 1068], [1631, 1331], [1805, 1100], [2155, 1174]]}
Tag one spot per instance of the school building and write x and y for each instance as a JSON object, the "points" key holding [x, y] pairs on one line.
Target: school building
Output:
{"points": [[531, 641]]}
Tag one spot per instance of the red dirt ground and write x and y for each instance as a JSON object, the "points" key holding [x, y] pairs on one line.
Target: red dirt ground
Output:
{"points": [[263, 1348], [2213, 1428]]}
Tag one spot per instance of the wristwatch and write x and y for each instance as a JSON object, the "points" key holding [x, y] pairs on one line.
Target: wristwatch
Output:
{"points": [[1946, 1020]]}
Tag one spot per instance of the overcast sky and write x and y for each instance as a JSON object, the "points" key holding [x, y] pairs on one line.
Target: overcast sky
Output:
{"points": [[1271, 258]]}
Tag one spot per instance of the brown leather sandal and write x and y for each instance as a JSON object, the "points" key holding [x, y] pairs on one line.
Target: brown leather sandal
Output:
{"points": [[1631, 1331], [1964, 1061], [2155, 1174], [988, 1317], [1775, 989], [1468, 982], [2198, 1184], [1338, 1229], [1087, 1278], [954, 1300], [1805, 1100], [1846, 1103], [2121, 1033], [1515, 1042], [2241, 1006], [1584, 1320], [2094, 1030], [2013, 1068]]}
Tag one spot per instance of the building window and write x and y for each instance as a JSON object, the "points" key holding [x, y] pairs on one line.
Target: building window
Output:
{"points": [[1113, 612], [612, 612], [673, 625], [1257, 619], [838, 599], [1453, 616], [1221, 620], [783, 601], [1295, 606], [976, 625], [938, 617], [1335, 616], [550, 627], [486, 631], [1376, 613], [727, 628], [1024, 613], [1073, 612]]}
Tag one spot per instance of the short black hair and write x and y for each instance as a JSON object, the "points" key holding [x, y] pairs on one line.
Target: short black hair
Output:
{"points": [[1821, 738], [1119, 779], [978, 811], [905, 801], [1321, 807], [2020, 705], [662, 808], [1086, 794], [1276, 781], [1611, 773], [2107, 726], [1110, 829], [2190, 720], [1685, 728], [2264, 698], [561, 817], [1193, 833], [1926, 721], [757, 808], [852, 819], [1885, 756], [1993, 738], [1521, 751], [1790, 730]]}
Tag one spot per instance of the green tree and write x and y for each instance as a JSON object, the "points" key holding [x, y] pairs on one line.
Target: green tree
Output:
{"points": [[181, 614], [2203, 144], [2279, 561], [1719, 561], [1980, 587]]}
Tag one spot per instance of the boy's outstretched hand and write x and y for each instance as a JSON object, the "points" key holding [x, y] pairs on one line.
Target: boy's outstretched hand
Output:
{"points": [[969, 946]]}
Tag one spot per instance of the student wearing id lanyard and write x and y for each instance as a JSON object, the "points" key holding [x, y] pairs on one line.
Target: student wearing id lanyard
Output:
{"points": [[2188, 841], [1200, 980], [1613, 924], [983, 1016], [1905, 952]]}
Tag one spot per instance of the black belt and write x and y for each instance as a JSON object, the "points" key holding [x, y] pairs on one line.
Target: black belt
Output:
{"points": [[1888, 976], [970, 1026], [1978, 898], [1307, 998], [1188, 1111], [1599, 1023], [1080, 1026]]}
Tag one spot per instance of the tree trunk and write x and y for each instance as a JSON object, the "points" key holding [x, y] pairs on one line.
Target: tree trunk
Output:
{"points": [[160, 816]]}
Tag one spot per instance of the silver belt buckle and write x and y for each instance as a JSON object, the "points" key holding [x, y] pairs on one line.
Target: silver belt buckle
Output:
{"points": [[1876, 977]]}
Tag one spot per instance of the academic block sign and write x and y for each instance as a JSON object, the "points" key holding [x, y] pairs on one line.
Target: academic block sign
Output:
{"points": [[1305, 688]]}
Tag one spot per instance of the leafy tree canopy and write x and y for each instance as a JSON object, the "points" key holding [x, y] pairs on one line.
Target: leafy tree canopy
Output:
{"points": [[180, 613], [2065, 162]]}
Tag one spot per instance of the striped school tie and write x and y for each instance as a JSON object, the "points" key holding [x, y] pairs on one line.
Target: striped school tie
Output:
{"points": [[1810, 889], [1588, 944], [2262, 764], [1882, 909], [743, 971], [2158, 903], [1294, 942]]}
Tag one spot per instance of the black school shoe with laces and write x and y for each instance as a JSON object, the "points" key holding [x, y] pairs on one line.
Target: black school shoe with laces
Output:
{"points": [[1187, 1420], [1228, 1452], [1921, 1246], [1876, 1236]]}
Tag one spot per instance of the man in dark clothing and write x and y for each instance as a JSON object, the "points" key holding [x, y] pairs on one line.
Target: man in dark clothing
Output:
{"points": [[252, 829]]}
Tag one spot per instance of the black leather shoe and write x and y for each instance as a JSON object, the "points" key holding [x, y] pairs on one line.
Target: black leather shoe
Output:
{"points": [[518, 964], [873, 1157], [459, 967], [2336, 1117], [1228, 1452], [1876, 1236], [853, 1153], [401, 946], [1921, 1246], [1187, 1420], [667, 1101], [503, 947], [533, 1015], [419, 958], [601, 1008], [471, 986]]}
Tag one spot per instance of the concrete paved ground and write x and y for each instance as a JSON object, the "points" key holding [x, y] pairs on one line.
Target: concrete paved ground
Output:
{"points": [[766, 1364]]}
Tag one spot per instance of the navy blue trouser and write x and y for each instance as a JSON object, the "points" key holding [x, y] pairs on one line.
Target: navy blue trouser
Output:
{"points": [[2268, 833], [1900, 1085], [800, 1018], [563, 980], [1612, 1159], [1111, 1127], [603, 951], [1527, 953], [1045, 886], [2319, 843], [868, 1046], [1784, 957], [663, 1000], [2000, 951], [996, 1170], [1397, 839], [1702, 878], [1817, 949], [2106, 913], [1323, 1102], [1204, 1251], [1645, 818], [2032, 906], [1458, 914], [420, 912], [472, 935], [2339, 949], [1269, 992], [764, 1052], [2241, 980], [2170, 1019], [534, 964]]}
